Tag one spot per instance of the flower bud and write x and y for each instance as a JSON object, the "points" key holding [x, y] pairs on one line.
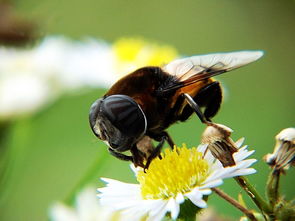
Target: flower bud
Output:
{"points": [[222, 147], [284, 152]]}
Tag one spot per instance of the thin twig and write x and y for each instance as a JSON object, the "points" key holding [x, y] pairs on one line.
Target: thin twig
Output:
{"points": [[235, 203]]}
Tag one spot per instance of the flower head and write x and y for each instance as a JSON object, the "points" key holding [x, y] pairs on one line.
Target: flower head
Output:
{"points": [[187, 162], [181, 174], [284, 151]]}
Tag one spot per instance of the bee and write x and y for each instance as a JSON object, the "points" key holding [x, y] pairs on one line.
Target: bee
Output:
{"points": [[139, 107]]}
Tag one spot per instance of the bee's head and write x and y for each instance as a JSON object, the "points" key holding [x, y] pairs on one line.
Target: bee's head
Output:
{"points": [[118, 120]]}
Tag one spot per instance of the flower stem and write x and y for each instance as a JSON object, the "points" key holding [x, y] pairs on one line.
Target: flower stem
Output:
{"points": [[235, 203], [254, 195], [272, 189], [5, 157]]}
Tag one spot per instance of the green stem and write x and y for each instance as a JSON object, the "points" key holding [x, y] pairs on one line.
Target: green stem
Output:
{"points": [[254, 195], [272, 189], [5, 158], [89, 175]]}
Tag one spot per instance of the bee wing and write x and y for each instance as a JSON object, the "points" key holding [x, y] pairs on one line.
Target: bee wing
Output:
{"points": [[196, 68]]}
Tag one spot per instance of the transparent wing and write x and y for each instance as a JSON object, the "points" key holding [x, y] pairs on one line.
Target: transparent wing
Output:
{"points": [[212, 64]]}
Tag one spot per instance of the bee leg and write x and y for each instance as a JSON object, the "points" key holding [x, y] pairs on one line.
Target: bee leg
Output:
{"points": [[155, 153], [163, 135], [120, 155], [168, 138], [137, 157], [196, 108]]}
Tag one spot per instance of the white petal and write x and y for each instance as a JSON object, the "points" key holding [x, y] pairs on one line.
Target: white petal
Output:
{"points": [[202, 148], [209, 157], [239, 142], [211, 184], [119, 195], [246, 163], [142, 208], [173, 207], [120, 205], [243, 172], [216, 165], [114, 188], [159, 213], [242, 154], [196, 193], [201, 203], [135, 169], [112, 181], [196, 199], [220, 173], [158, 207], [179, 198], [205, 191]]}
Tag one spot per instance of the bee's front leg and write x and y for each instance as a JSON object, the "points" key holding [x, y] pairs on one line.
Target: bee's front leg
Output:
{"points": [[169, 139], [155, 153], [137, 157], [164, 136], [120, 155]]}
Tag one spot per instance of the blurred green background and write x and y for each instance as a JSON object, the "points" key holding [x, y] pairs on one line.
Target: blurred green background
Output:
{"points": [[53, 150]]}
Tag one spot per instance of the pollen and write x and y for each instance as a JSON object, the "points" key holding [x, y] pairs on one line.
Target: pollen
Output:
{"points": [[179, 171]]}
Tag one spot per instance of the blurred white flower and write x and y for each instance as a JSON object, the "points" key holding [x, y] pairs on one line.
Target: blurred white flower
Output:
{"points": [[22, 94], [30, 78], [22, 90], [167, 184], [87, 208], [76, 64]]}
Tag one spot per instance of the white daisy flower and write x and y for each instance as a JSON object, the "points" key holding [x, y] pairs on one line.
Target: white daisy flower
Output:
{"points": [[87, 209], [181, 174]]}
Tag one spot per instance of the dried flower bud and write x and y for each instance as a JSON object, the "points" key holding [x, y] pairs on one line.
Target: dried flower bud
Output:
{"points": [[284, 151], [222, 147]]}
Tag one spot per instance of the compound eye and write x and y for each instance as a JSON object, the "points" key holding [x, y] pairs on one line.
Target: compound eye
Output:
{"points": [[93, 114], [125, 114]]}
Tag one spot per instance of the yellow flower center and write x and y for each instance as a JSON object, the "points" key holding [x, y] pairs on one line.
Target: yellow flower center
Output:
{"points": [[179, 170]]}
